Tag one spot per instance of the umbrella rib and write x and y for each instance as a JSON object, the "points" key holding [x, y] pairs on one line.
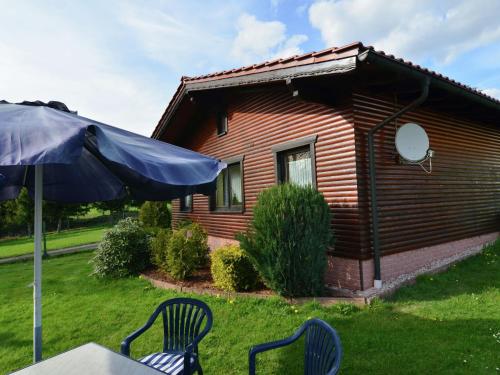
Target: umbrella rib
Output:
{"points": [[25, 175]]}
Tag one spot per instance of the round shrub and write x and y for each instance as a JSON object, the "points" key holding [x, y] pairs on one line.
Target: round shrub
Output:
{"points": [[232, 270], [288, 238], [181, 251], [155, 214], [124, 250]]}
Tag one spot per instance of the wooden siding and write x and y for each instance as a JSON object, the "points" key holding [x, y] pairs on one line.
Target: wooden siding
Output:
{"points": [[257, 121], [459, 199]]}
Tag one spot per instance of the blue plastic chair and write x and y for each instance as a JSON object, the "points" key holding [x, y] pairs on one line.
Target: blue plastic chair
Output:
{"points": [[323, 350], [182, 331]]}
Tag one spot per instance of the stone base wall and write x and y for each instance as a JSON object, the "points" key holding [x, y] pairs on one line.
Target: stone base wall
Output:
{"points": [[344, 273], [216, 242], [356, 274]]}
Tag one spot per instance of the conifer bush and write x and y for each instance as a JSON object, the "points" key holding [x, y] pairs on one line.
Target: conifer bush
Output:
{"points": [[288, 238], [159, 247], [155, 214], [232, 270]]}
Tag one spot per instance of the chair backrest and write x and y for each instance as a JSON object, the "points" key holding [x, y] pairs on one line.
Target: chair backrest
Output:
{"points": [[323, 350], [184, 321]]}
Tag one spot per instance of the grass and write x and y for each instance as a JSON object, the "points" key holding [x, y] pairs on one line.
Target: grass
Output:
{"points": [[445, 324], [93, 213], [66, 238]]}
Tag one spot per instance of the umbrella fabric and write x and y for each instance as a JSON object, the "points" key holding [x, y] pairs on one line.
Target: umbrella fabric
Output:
{"points": [[75, 159], [86, 161]]}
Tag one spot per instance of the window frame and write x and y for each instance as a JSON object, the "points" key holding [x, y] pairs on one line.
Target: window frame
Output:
{"points": [[224, 116], [182, 204], [296, 144], [229, 208]]}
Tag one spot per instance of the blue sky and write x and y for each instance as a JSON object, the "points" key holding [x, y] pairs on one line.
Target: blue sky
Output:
{"points": [[120, 61]]}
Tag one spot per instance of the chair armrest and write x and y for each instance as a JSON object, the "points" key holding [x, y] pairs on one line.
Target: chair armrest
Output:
{"points": [[125, 346], [188, 366], [193, 346], [268, 346]]}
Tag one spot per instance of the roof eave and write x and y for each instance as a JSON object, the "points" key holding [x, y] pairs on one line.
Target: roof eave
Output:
{"points": [[436, 79], [329, 67], [171, 108], [351, 56]]}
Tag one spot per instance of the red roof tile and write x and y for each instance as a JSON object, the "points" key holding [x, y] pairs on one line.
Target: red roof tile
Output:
{"points": [[328, 54]]}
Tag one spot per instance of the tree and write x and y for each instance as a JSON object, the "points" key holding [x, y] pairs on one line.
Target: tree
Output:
{"points": [[115, 207], [55, 212], [20, 212], [24, 210], [8, 217]]}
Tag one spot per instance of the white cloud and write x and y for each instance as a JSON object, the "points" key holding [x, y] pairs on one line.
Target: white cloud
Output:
{"points": [[46, 57], [260, 40], [291, 46], [413, 29], [492, 92], [189, 39]]}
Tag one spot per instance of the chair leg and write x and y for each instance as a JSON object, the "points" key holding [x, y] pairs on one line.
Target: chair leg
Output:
{"points": [[200, 370]]}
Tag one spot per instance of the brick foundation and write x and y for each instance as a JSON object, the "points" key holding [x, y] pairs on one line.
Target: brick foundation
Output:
{"points": [[216, 242], [356, 274], [343, 273], [350, 273]]}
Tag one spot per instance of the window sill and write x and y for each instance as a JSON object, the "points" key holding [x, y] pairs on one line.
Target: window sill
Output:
{"points": [[227, 211]]}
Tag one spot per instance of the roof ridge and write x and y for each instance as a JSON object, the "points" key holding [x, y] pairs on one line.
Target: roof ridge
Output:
{"points": [[314, 57], [276, 61]]}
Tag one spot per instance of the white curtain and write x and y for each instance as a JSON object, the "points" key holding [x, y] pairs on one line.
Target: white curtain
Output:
{"points": [[300, 172], [235, 183]]}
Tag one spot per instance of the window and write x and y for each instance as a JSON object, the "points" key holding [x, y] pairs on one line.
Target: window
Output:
{"points": [[295, 162], [229, 193], [296, 167], [187, 203], [221, 123]]}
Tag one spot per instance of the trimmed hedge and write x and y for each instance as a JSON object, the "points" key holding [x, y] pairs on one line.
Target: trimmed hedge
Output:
{"points": [[288, 238], [123, 251], [232, 270]]}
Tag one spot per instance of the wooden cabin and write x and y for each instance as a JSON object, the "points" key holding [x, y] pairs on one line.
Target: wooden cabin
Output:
{"points": [[306, 119]]}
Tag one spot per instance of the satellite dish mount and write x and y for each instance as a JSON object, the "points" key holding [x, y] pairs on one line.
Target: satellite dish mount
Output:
{"points": [[412, 144]]}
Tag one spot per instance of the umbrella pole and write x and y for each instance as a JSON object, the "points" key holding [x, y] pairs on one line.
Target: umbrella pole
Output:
{"points": [[37, 285]]}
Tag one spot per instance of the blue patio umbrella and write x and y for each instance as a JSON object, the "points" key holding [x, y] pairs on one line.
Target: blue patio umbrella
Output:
{"points": [[60, 156]]}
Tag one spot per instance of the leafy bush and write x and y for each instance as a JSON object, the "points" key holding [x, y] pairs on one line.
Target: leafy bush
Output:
{"points": [[232, 270], [183, 223], [288, 238], [155, 214], [124, 250], [181, 251]]}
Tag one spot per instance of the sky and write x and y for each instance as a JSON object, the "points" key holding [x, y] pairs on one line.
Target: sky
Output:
{"points": [[120, 62]]}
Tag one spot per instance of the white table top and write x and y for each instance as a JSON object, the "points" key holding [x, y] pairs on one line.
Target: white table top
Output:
{"points": [[88, 359]]}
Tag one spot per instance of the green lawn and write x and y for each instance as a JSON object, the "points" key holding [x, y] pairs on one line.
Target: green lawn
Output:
{"points": [[66, 238], [443, 325]]}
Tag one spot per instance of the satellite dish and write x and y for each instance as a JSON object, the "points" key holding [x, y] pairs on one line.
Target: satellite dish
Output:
{"points": [[412, 142]]}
